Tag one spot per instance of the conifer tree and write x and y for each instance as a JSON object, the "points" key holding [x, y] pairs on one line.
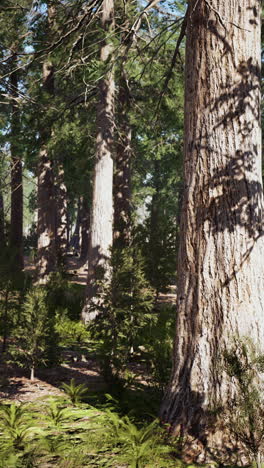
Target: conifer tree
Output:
{"points": [[101, 235], [46, 228], [220, 270], [16, 222]]}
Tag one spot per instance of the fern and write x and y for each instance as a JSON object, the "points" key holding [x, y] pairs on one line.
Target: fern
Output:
{"points": [[13, 416], [17, 427], [57, 415], [75, 392], [138, 444]]}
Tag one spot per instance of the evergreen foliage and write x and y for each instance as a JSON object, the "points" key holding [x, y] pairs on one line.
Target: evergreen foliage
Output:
{"points": [[245, 364], [33, 331], [125, 309]]}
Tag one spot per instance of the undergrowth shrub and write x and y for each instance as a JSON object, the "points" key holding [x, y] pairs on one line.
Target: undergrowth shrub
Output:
{"points": [[139, 445], [70, 332], [75, 392], [124, 309], [246, 366], [33, 332], [157, 339], [72, 437], [65, 296]]}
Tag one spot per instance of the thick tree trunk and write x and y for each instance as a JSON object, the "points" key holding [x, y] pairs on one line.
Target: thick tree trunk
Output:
{"points": [[46, 257], [101, 237], [2, 222], [16, 222], [85, 227], [122, 173], [221, 277], [46, 226], [61, 215]]}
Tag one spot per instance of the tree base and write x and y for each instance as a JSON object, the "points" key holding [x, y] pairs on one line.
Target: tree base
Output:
{"points": [[217, 446]]}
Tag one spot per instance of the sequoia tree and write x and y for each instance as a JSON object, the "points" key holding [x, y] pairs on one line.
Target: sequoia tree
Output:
{"points": [[16, 222], [46, 258], [122, 173], [101, 234], [61, 213], [220, 269]]}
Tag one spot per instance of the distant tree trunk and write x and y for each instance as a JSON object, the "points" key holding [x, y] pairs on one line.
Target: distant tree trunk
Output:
{"points": [[2, 222], [46, 228], [85, 227], [122, 172], [155, 247], [16, 221], [220, 270], [61, 214], [32, 374], [75, 240], [101, 237], [46, 257]]}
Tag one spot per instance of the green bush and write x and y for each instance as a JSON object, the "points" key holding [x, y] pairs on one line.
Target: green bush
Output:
{"points": [[32, 332], [124, 310], [157, 340], [71, 332], [245, 364]]}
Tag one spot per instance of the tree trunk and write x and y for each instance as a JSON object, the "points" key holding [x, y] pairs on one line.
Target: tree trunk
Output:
{"points": [[2, 222], [61, 215], [46, 256], [16, 221], [85, 227], [32, 374], [154, 250], [75, 240], [101, 238], [46, 228], [220, 270], [122, 173]]}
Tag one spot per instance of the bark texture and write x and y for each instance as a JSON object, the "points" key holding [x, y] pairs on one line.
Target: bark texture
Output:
{"points": [[221, 277], [85, 229], [46, 259], [101, 237], [16, 221], [61, 214]]}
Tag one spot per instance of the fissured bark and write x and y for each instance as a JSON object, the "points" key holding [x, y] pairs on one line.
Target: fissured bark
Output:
{"points": [[220, 270]]}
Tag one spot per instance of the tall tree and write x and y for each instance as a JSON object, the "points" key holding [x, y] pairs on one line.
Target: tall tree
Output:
{"points": [[46, 227], [85, 227], [122, 172], [16, 222], [101, 236], [220, 270], [61, 213], [2, 221]]}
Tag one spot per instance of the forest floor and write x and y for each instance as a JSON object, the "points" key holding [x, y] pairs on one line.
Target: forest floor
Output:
{"points": [[15, 383]]}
